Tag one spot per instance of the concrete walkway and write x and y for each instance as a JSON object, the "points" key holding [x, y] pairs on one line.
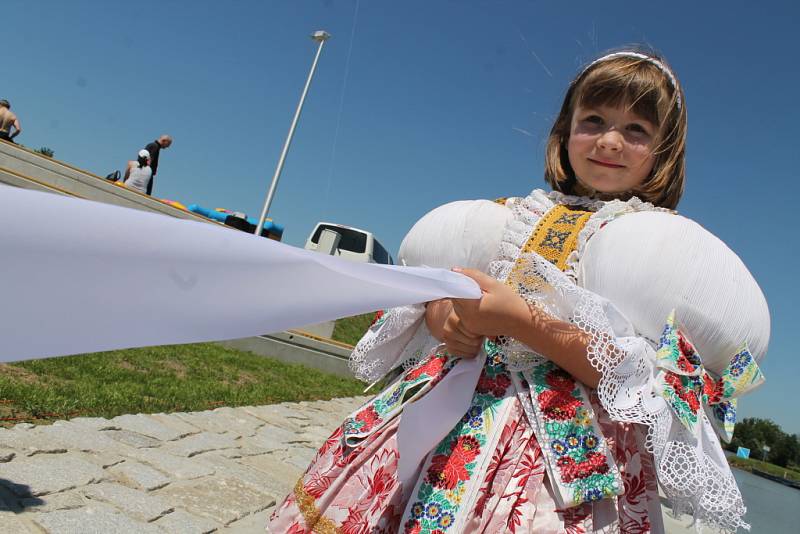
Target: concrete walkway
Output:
{"points": [[216, 471]]}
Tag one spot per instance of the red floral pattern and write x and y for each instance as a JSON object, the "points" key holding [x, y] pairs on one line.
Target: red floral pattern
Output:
{"points": [[684, 391], [368, 417], [495, 386], [687, 356], [572, 470], [446, 470], [378, 315], [432, 367], [560, 380], [558, 405]]}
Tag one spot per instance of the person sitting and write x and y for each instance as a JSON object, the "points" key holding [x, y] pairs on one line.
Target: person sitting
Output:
{"points": [[138, 174]]}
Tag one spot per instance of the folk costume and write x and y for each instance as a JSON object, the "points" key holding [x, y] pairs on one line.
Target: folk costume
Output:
{"points": [[509, 442]]}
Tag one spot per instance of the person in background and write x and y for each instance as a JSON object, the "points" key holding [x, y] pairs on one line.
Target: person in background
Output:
{"points": [[7, 121], [154, 148], [139, 174]]}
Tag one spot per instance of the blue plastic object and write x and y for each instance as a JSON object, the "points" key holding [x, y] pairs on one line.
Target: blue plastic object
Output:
{"points": [[269, 226]]}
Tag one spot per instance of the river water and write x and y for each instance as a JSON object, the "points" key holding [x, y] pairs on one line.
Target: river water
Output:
{"points": [[772, 508]]}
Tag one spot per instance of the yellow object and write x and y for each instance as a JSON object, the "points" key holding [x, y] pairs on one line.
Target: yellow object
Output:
{"points": [[556, 235], [175, 204]]}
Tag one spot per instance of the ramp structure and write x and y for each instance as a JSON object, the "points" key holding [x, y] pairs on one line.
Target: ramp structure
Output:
{"points": [[21, 167]]}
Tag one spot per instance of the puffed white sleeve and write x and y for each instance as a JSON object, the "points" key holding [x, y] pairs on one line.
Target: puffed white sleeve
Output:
{"points": [[465, 234], [676, 325]]}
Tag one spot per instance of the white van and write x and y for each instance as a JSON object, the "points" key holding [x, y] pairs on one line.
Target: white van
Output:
{"points": [[355, 244]]}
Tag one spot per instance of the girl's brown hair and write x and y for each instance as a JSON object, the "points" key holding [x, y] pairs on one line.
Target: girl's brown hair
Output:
{"points": [[648, 91]]}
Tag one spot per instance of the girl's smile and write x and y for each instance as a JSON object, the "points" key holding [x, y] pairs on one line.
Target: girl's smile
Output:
{"points": [[606, 163], [611, 148]]}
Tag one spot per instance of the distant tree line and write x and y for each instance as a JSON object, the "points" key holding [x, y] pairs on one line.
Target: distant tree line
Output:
{"points": [[44, 151], [755, 433]]}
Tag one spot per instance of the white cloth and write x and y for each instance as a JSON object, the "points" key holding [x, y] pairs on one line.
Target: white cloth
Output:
{"points": [[139, 177], [459, 234], [650, 263], [72, 267]]}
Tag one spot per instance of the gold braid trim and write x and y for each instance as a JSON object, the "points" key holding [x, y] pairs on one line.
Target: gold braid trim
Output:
{"points": [[554, 238], [556, 234], [312, 516]]}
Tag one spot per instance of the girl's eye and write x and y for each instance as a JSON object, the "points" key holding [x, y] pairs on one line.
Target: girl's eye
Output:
{"points": [[594, 119], [637, 128]]}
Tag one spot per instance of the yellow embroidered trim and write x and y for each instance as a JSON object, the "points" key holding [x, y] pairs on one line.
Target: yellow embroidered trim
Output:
{"points": [[312, 516], [556, 235]]}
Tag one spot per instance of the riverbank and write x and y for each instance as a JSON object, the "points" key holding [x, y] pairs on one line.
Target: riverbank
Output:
{"points": [[782, 475]]}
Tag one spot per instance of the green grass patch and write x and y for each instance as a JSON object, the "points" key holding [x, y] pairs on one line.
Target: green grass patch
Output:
{"points": [[156, 379], [748, 464], [350, 329]]}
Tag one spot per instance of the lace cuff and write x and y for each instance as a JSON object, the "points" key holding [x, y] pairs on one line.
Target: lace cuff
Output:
{"points": [[398, 337]]}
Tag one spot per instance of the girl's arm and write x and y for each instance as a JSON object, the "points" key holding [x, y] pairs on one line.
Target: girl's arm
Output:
{"points": [[502, 312]]}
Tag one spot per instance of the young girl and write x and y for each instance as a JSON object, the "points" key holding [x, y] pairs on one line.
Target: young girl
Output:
{"points": [[603, 357]]}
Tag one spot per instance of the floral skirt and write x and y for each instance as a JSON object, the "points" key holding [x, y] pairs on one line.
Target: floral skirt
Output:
{"points": [[355, 489]]}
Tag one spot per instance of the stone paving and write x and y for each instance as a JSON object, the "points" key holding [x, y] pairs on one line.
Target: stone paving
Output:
{"points": [[183, 473]]}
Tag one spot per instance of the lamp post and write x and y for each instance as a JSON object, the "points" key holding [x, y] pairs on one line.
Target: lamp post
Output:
{"points": [[319, 36]]}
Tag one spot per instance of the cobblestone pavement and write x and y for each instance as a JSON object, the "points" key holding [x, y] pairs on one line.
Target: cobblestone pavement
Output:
{"points": [[216, 471]]}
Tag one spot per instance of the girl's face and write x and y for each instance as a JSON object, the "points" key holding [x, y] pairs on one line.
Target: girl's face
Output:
{"points": [[611, 148]]}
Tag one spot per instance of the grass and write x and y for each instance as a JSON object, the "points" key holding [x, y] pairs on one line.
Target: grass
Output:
{"points": [[350, 329], [156, 379], [748, 464], [164, 379]]}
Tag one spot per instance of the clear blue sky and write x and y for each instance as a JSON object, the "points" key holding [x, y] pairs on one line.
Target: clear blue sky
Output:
{"points": [[415, 103]]}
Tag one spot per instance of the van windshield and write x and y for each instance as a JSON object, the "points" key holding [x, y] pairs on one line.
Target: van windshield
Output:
{"points": [[352, 240], [380, 255]]}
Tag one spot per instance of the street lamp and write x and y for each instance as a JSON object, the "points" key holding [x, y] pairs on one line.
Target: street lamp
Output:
{"points": [[319, 36]]}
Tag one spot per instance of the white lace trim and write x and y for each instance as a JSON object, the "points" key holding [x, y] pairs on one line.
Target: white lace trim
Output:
{"points": [[383, 346]]}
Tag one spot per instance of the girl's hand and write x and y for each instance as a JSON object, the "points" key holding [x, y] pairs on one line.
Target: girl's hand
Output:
{"points": [[436, 313], [458, 340], [446, 326], [500, 311]]}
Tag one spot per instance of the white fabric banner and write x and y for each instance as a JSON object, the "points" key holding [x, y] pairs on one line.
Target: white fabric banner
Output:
{"points": [[80, 276]]}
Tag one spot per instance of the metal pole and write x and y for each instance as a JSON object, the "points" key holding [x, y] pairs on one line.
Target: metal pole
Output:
{"points": [[320, 36]]}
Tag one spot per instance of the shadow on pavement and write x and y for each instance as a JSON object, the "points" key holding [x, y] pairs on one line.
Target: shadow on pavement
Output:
{"points": [[16, 497]]}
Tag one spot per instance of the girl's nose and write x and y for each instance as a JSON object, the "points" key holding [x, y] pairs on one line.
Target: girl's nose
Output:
{"points": [[610, 140]]}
